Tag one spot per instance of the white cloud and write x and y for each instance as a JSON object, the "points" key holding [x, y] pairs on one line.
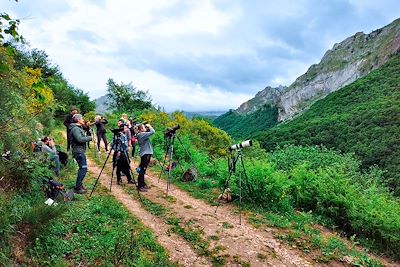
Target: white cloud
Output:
{"points": [[192, 55]]}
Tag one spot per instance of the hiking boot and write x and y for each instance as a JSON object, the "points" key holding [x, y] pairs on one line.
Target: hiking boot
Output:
{"points": [[80, 190], [142, 189], [131, 182], [119, 182], [146, 187]]}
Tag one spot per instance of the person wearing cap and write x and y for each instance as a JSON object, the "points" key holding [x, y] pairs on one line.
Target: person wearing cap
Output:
{"points": [[78, 148], [67, 123]]}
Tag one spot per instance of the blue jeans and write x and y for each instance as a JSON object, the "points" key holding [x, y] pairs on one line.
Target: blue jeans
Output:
{"points": [[81, 159], [56, 160]]}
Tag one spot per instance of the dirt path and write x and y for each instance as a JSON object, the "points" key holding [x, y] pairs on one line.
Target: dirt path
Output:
{"points": [[178, 249], [238, 243], [257, 247]]}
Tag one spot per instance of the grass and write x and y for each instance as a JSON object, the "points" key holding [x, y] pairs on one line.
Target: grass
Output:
{"points": [[95, 232]]}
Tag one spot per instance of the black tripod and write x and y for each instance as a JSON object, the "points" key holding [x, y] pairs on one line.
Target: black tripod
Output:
{"points": [[170, 139], [116, 141], [242, 172]]}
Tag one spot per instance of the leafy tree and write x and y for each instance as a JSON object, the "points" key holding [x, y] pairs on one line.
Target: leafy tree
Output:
{"points": [[8, 27], [126, 98]]}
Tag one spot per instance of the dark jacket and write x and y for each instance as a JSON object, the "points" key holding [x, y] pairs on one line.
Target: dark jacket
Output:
{"points": [[100, 125], [79, 138], [68, 121]]}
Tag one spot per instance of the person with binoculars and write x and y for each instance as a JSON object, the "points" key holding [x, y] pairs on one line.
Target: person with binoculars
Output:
{"points": [[143, 133], [120, 158]]}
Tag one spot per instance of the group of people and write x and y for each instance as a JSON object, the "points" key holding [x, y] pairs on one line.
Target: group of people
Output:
{"points": [[128, 135]]}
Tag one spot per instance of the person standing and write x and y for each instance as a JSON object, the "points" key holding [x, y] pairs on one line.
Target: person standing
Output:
{"points": [[67, 123], [145, 151], [78, 147], [120, 157], [100, 123]]}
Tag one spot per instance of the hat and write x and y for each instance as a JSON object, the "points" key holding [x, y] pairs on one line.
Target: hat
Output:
{"points": [[77, 117]]}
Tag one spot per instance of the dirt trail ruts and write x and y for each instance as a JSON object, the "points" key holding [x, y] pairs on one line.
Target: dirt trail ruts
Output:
{"points": [[257, 247], [178, 249]]}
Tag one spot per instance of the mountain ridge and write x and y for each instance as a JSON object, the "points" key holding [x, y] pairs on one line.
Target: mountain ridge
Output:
{"points": [[346, 62]]}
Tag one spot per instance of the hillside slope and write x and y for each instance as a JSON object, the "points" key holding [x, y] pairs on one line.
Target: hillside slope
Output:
{"points": [[346, 62], [361, 118]]}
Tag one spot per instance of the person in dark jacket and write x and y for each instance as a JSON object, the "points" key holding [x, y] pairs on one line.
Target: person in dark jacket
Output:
{"points": [[67, 123], [146, 151], [100, 123], [120, 157], [78, 147]]}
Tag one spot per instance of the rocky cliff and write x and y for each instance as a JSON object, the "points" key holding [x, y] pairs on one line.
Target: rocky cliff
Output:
{"points": [[346, 62], [269, 96]]}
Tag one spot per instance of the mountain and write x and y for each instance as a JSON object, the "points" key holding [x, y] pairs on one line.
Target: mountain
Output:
{"points": [[269, 96], [101, 106], [203, 114], [361, 118], [346, 62], [343, 64]]}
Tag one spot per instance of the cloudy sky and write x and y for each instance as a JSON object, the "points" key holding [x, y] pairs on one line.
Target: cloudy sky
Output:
{"points": [[192, 55]]}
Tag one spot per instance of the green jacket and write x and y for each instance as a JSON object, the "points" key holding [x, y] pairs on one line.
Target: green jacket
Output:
{"points": [[79, 138]]}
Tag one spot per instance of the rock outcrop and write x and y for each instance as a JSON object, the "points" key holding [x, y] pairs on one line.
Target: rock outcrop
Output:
{"points": [[346, 62], [343, 64]]}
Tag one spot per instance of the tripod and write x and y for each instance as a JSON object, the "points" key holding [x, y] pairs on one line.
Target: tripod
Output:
{"points": [[232, 169], [170, 139], [116, 141]]}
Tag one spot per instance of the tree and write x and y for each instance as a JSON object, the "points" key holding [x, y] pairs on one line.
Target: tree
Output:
{"points": [[126, 98], [8, 27]]}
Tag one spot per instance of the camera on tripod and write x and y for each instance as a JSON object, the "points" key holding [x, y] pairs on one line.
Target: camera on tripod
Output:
{"points": [[171, 131], [117, 130], [244, 144]]}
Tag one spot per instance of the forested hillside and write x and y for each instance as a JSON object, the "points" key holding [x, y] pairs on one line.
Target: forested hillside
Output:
{"points": [[248, 125], [362, 118]]}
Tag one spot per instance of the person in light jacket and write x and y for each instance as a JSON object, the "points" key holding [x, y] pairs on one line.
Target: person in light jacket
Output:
{"points": [[143, 133]]}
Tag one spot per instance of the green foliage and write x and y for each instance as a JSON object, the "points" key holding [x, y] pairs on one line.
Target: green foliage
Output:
{"points": [[126, 98], [316, 180], [65, 94], [249, 125], [361, 118], [83, 234], [8, 28]]}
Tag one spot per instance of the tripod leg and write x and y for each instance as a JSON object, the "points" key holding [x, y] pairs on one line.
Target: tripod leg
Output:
{"points": [[97, 180], [225, 187], [187, 153], [240, 198], [163, 165], [132, 176], [247, 179], [112, 176], [170, 166]]}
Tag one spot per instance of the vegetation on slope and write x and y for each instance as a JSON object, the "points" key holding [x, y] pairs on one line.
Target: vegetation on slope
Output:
{"points": [[249, 125], [317, 180], [361, 118]]}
